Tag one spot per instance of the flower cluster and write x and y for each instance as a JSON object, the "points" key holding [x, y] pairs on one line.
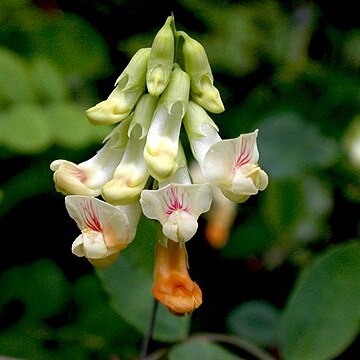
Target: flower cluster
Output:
{"points": [[142, 168]]}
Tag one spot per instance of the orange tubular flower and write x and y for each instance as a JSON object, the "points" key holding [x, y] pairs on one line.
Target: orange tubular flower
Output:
{"points": [[172, 284]]}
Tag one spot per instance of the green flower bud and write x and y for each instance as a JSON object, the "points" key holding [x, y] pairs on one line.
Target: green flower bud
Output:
{"points": [[197, 66], [130, 85], [161, 59]]}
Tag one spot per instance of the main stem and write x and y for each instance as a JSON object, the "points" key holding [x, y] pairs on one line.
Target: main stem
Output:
{"points": [[149, 331]]}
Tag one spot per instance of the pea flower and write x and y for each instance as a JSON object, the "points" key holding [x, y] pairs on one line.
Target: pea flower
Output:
{"points": [[129, 86], [88, 177], [172, 284], [197, 66], [222, 214], [131, 174], [105, 229], [162, 143], [177, 207], [201, 131], [161, 59], [232, 165]]}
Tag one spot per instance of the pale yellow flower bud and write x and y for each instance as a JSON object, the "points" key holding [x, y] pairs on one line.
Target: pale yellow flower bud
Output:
{"points": [[162, 142], [197, 66], [161, 59], [130, 85]]}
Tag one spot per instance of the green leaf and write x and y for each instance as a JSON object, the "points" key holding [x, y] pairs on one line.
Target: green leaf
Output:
{"points": [[250, 238], [70, 127], [48, 80], [68, 40], [25, 129], [289, 146], [284, 205], [200, 349], [15, 81], [256, 321], [322, 316], [32, 284]]}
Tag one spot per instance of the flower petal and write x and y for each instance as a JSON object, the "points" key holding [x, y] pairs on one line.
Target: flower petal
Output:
{"points": [[243, 185], [180, 224], [219, 163], [177, 207], [246, 148], [113, 222]]}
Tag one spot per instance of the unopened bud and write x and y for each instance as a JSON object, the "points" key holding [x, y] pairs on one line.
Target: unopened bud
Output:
{"points": [[197, 66], [161, 59], [130, 85]]}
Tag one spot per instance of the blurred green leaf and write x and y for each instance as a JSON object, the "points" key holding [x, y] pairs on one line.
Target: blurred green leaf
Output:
{"points": [[48, 80], [200, 349], [318, 204], [256, 321], [351, 48], [22, 341], [322, 315], [250, 238], [15, 81], [284, 205], [34, 180], [67, 39], [289, 146], [70, 127], [250, 32], [41, 286], [25, 129]]}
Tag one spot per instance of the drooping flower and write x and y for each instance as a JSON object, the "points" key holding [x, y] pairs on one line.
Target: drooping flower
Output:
{"points": [[161, 59], [172, 285], [88, 177], [131, 174], [221, 216], [177, 207], [201, 131], [232, 165], [129, 86], [197, 66], [105, 229], [162, 143]]}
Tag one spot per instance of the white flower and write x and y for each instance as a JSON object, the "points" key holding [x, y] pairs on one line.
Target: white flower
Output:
{"points": [[131, 174], [197, 66], [105, 229], [177, 207], [161, 59], [201, 131], [162, 143], [88, 177], [232, 165], [129, 86]]}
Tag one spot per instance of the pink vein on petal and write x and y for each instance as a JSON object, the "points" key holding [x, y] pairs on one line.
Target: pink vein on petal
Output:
{"points": [[246, 151], [174, 202], [91, 217], [79, 174]]}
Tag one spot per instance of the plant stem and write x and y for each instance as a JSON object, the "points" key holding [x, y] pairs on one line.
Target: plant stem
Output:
{"points": [[227, 339], [149, 331], [235, 341]]}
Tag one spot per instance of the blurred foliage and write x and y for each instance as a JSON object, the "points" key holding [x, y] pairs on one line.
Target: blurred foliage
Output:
{"points": [[291, 70]]}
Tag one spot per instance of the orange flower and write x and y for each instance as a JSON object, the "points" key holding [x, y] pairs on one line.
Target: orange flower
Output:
{"points": [[172, 284]]}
